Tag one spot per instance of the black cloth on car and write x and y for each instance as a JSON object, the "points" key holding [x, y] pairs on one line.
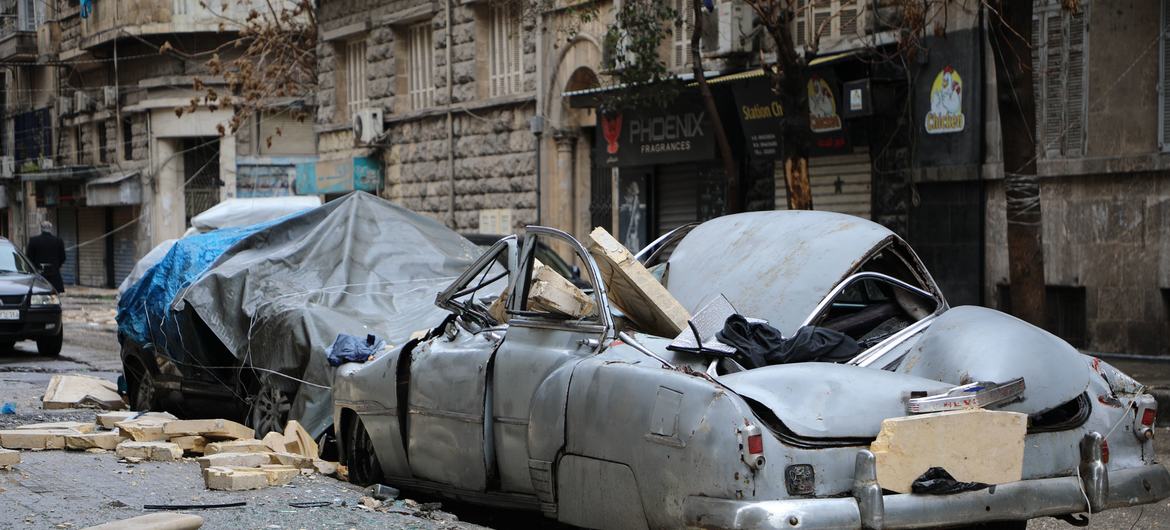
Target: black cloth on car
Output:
{"points": [[47, 252], [759, 344], [936, 481], [351, 349]]}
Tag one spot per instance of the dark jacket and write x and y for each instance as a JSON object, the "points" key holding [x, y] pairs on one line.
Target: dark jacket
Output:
{"points": [[46, 249]]}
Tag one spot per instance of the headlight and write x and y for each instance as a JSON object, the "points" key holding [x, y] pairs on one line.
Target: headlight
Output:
{"points": [[45, 299]]}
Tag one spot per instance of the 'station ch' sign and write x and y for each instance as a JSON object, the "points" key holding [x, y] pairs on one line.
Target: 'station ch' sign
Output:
{"points": [[680, 132]]}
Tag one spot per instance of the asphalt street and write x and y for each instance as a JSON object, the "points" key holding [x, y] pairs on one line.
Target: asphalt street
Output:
{"points": [[58, 489]]}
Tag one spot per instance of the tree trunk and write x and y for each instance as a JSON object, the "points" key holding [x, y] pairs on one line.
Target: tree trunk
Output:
{"points": [[1017, 120], [732, 202]]}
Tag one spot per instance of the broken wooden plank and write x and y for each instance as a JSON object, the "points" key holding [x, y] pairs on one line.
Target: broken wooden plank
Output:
{"points": [[80, 391], [211, 429], [8, 457], [107, 440], [972, 445], [34, 439], [154, 521], [234, 479], [634, 290], [79, 426], [236, 446], [157, 451]]}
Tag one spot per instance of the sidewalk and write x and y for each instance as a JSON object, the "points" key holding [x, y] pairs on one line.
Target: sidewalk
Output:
{"points": [[88, 317]]}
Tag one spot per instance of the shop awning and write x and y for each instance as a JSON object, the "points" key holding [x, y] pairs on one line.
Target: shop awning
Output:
{"points": [[759, 72], [60, 173], [118, 189], [587, 98]]}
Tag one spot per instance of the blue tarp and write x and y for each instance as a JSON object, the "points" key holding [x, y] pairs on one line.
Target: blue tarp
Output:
{"points": [[144, 309]]}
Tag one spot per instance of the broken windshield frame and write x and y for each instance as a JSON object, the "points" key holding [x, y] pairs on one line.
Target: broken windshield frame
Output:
{"points": [[478, 276]]}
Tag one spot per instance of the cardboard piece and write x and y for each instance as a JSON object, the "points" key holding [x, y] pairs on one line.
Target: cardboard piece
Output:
{"points": [[634, 290], [972, 445], [107, 440], [211, 429], [154, 521], [157, 451], [76, 391], [8, 457]]}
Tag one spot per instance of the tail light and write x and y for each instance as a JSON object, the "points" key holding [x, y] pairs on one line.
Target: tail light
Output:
{"points": [[1104, 451], [1145, 414], [751, 446]]}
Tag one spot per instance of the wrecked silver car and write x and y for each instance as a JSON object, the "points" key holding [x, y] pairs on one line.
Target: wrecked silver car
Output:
{"points": [[600, 425]]}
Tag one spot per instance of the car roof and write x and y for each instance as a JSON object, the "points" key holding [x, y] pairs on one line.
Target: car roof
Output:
{"points": [[775, 265]]}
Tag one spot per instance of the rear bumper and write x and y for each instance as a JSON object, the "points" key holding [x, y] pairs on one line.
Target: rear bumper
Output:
{"points": [[867, 508]]}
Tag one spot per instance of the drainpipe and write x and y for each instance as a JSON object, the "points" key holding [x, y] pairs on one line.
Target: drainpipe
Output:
{"points": [[450, 124], [537, 123]]}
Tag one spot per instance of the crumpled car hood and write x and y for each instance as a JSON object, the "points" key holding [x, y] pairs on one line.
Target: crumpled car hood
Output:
{"points": [[969, 343], [822, 400]]}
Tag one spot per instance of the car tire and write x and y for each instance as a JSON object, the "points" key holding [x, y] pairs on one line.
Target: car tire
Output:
{"points": [[361, 460], [270, 406], [140, 387], [50, 346]]}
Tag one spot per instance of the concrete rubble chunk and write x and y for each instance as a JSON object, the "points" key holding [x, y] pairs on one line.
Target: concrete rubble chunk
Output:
{"points": [[234, 460], [144, 428], [279, 475], [632, 288], [108, 419], [236, 446], [275, 442], [551, 292], [191, 444], [107, 440], [157, 451], [212, 429], [972, 445], [34, 439], [9, 458], [297, 440], [76, 391], [79, 426], [154, 521], [325, 467], [234, 478], [292, 459]]}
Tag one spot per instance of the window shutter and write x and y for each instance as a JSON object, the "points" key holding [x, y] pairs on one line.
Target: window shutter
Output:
{"points": [[849, 19], [1054, 77], [1039, 74], [516, 53], [801, 16], [1075, 101], [1164, 81]]}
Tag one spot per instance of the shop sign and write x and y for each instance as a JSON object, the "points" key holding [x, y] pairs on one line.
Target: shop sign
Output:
{"points": [[339, 176], [946, 103], [824, 114], [761, 116], [681, 132]]}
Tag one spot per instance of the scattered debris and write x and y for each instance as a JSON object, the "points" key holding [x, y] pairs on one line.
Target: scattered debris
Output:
{"points": [[310, 504], [553, 293], [108, 420], [973, 445], [297, 440], [78, 426], [382, 492], [157, 451], [145, 428], [236, 446], [632, 288], [234, 460], [191, 444], [9, 458], [106, 440], [370, 502], [154, 521], [79, 391], [192, 506], [34, 439], [211, 429], [235, 478], [8, 408]]}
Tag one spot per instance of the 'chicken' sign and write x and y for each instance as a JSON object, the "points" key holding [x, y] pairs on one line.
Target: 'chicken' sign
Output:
{"points": [[946, 103]]}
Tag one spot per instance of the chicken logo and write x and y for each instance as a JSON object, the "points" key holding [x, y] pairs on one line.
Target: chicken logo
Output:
{"points": [[946, 103], [822, 106], [611, 129]]}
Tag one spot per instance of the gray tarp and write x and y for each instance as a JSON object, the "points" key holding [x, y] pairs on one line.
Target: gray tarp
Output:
{"points": [[357, 265]]}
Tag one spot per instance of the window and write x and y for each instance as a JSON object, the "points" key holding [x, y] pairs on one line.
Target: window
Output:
{"points": [[680, 35], [355, 75], [127, 140], [421, 51], [103, 142], [1059, 54], [832, 20], [505, 51], [1164, 82]]}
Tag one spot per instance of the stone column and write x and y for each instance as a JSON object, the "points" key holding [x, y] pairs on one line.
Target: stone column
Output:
{"points": [[564, 181], [168, 204]]}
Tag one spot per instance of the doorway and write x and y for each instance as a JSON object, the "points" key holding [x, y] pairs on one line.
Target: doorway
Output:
{"points": [[201, 180]]}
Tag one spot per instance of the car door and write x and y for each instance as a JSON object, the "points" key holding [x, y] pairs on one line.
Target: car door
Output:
{"points": [[446, 393], [531, 367]]}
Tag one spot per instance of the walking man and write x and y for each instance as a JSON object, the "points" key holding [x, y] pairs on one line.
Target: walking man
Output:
{"points": [[47, 251]]}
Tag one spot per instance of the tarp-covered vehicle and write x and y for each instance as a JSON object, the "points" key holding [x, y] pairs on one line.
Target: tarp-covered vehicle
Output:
{"points": [[235, 322], [601, 427]]}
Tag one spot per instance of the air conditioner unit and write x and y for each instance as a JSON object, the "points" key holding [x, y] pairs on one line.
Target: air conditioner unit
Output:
{"points": [[45, 163], [82, 102], [110, 97], [7, 166], [367, 125], [733, 23], [65, 105]]}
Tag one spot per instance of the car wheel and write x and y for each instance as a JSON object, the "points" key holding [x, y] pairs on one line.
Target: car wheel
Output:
{"points": [[50, 346], [364, 468], [140, 384], [270, 407]]}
